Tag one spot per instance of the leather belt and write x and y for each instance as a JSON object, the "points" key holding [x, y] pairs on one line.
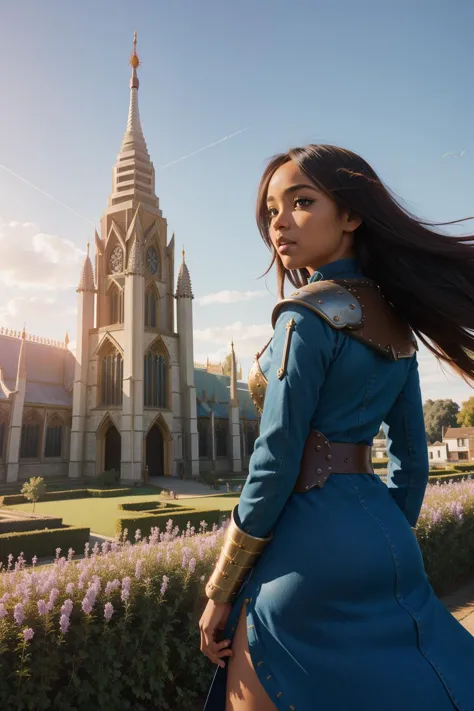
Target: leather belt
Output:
{"points": [[322, 458]]}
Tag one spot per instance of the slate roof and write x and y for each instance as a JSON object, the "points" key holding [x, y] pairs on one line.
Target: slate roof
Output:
{"points": [[49, 371], [219, 387]]}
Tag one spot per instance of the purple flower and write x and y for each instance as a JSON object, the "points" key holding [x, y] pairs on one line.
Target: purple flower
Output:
{"points": [[69, 588], [138, 534], [58, 552], [70, 554], [125, 594], [53, 597], [3, 611], [28, 634], [108, 611], [34, 560], [19, 613], [87, 605], [192, 565], [111, 586], [42, 607], [138, 569], [164, 584], [64, 623], [66, 607]]}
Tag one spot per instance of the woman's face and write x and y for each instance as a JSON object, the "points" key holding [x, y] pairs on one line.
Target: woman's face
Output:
{"points": [[306, 228]]}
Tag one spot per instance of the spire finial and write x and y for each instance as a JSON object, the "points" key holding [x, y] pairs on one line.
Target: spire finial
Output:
{"points": [[182, 253], [134, 58], [23, 333], [66, 339], [88, 246]]}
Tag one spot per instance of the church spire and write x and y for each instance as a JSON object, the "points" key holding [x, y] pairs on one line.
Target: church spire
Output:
{"points": [[134, 175], [86, 282], [233, 376], [183, 285]]}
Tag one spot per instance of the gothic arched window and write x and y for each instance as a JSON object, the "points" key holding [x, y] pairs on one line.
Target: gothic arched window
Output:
{"points": [[111, 377], [204, 431], [151, 306], [30, 435], [222, 430], [156, 379], [54, 436], [116, 304]]}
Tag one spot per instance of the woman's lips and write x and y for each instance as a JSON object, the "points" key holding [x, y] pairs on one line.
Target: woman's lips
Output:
{"points": [[286, 247]]}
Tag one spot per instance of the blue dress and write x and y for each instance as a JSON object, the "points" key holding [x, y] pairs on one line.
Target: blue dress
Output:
{"points": [[340, 613]]}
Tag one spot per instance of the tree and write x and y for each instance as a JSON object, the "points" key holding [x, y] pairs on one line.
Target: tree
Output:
{"points": [[439, 414], [34, 489], [227, 364], [466, 417]]}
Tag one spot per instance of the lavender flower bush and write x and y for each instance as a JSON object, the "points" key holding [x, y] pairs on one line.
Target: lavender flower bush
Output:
{"points": [[117, 629], [446, 532]]}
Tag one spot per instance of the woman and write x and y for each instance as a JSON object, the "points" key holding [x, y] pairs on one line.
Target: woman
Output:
{"points": [[320, 587]]}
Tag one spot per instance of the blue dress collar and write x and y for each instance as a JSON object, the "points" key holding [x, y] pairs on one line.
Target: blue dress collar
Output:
{"points": [[339, 268]]}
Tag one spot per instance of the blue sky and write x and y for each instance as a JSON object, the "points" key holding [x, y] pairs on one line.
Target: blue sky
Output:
{"points": [[389, 80]]}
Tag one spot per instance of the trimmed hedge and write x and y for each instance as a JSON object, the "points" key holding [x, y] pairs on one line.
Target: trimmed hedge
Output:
{"points": [[17, 525], [148, 506], [146, 521], [12, 499], [444, 478], [43, 543], [380, 463], [464, 467]]}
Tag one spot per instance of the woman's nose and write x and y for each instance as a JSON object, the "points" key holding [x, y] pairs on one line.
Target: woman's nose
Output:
{"points": [[281, 221]]}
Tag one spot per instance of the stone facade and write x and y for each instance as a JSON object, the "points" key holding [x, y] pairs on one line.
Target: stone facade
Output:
{"points": [[127, 399]]}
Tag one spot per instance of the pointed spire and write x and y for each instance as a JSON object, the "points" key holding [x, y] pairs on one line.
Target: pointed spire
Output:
{"points": [[183, 285], [66, 340], [21, 372], [233, 376], [134, 175], [86, 282]]}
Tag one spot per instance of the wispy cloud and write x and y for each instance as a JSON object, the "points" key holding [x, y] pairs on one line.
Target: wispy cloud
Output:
{"points": [[248, 339], [37, 260], [43, 192], [205, 148], [230, 297]]}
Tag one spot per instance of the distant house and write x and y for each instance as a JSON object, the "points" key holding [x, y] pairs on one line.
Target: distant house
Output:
{"points": [[460, 444], [438, 453]]}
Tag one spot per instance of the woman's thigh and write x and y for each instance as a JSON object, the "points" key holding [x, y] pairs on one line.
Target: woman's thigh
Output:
{"points": [[244, 690]]}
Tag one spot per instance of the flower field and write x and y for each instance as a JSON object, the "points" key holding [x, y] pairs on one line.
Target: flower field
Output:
{"points": [[118, 628]]}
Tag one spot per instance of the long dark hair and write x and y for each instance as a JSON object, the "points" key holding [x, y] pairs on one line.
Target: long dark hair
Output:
{"points": [[428, 276]]}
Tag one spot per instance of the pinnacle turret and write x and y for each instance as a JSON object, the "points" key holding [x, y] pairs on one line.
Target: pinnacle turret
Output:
{"points": [[183, 285], [86, 282]]}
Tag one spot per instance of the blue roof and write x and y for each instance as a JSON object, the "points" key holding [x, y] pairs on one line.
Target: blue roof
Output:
{"points": [[218, 387]]}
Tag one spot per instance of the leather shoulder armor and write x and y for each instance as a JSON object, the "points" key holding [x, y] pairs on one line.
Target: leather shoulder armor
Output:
{"points": [[357, 307]]}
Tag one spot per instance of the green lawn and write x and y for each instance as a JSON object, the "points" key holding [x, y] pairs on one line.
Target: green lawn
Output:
{"points": [[100, 514]]}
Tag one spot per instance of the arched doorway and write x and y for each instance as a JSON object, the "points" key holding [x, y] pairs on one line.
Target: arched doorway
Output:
{"points": [[113, 449], [155, 452]]}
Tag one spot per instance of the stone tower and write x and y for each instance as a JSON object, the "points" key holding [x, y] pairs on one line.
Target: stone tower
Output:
{"points": [[131, 364]]}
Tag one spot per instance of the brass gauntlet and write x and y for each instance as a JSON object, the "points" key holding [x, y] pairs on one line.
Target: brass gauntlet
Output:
{"points": [[239, 554]]}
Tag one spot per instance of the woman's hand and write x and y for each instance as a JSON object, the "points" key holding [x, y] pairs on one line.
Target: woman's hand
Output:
{"points": [[214, 619]]}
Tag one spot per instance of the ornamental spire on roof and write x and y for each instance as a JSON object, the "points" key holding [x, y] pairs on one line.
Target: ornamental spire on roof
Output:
{"points": [[86, 282], [183, 285], [134, 175]]}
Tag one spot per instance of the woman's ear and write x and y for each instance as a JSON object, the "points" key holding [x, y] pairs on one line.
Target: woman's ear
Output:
{"points": [[351, 221]]}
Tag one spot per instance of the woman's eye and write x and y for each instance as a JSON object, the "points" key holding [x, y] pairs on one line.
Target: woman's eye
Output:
{"points": [[271, 212], [303, 202]]}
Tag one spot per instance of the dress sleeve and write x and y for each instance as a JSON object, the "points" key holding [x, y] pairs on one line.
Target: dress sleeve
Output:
{"points": [[408, 466], [290, 402]]}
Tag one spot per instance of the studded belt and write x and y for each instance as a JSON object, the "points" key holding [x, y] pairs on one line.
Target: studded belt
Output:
{"points": [[322, 458]]}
